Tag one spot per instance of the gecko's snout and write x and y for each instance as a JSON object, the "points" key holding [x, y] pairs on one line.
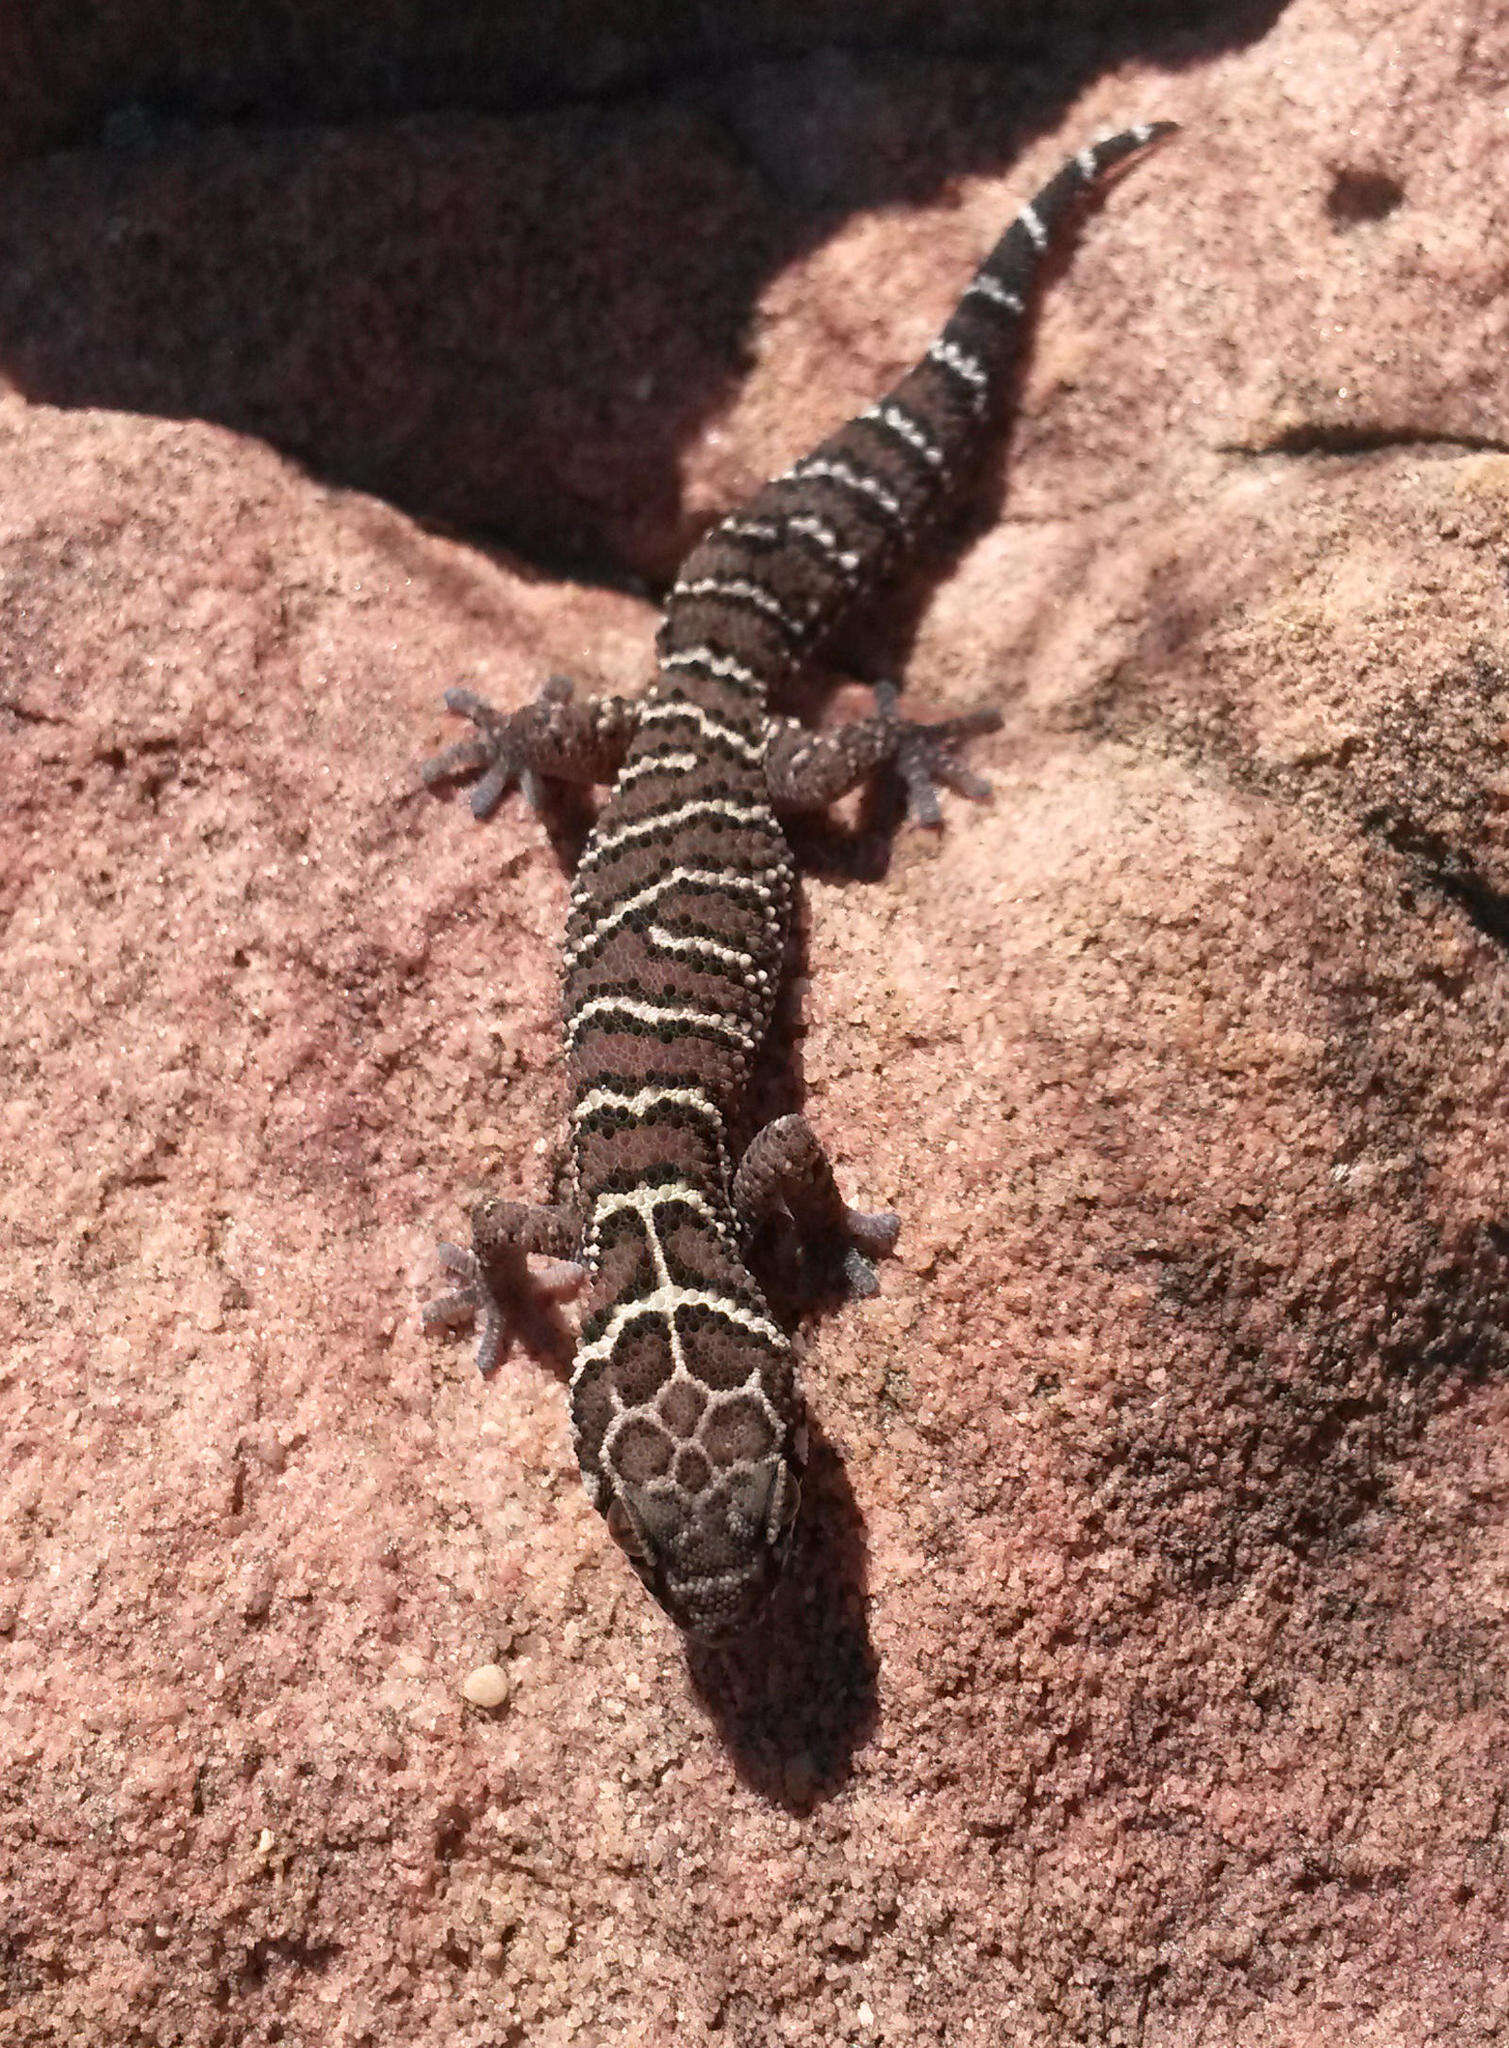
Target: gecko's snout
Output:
{"points": [[711, 1564]]}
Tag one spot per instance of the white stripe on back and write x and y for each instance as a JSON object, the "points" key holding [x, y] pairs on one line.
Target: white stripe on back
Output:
{"points": [[1029, 219], [962, 365], [850, 479], [722, 665], [906, 429], [987, 287], [734, 881], [757, 817], [741, 591], [643, 1010], [712, 729]]}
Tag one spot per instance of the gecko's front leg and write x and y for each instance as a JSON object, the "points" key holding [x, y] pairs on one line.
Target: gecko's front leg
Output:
{"points": [[785, 1169], [807, 770], [559, 737]]}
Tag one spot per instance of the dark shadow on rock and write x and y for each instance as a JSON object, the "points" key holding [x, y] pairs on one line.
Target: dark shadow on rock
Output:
{"points": [[1448, 870], [796, 1699], [511, 325], [140, 70]]}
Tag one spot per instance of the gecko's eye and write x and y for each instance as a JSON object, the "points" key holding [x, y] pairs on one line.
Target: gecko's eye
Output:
{"points": [[764, 1501], [645, 1530], [621, 1528]]}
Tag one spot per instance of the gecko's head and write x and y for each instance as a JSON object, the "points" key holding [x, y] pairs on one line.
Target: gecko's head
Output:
{"points": [[710, 1552], [698, 1466]]}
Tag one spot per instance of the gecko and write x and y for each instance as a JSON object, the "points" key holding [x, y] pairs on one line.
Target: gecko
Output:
{"points": [[686, 1412]]}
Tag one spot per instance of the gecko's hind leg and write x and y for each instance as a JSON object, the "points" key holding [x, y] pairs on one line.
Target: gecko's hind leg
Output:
{"points": [[498, 1285], [807, 770], [785, 1169], [557, 737]]}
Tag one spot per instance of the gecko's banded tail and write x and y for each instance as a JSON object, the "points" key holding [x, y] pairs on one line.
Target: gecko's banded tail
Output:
{"points": [[979, 341], [766, 585]]}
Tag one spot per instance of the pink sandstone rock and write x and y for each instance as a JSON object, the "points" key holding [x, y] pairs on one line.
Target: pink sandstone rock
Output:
{"points": [[1141, 1677]]}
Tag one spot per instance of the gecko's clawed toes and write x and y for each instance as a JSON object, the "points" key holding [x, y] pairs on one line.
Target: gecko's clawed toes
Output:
{"points": [[841, 1263], [927, 756], [504, 1284], [486, 753], [472, 1302], [871, 1235], [453, 1310]]}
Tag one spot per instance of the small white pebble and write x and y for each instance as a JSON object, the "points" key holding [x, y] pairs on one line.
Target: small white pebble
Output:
{"points": [[487, 1686]]}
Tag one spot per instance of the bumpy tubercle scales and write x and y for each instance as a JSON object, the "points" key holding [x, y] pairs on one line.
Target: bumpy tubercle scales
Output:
{"points": [[686, 1413]]}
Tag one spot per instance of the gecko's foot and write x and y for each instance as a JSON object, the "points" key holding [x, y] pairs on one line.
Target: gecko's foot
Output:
{"points": [[495, 1309], [494, 753], [871, 1234], [814, 1244], [472, 1302], [829, 1265], [927, 756]]}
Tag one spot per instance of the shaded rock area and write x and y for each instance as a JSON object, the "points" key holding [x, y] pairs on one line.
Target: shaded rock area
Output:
{"points": [[130, 68], [1141, 1675], [613, 276]]}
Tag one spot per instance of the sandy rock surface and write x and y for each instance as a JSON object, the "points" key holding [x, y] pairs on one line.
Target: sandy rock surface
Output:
{"points": [[1141, 1676]]}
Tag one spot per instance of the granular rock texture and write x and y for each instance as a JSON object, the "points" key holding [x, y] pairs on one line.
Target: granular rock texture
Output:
{"points": [[1141, 1676]]}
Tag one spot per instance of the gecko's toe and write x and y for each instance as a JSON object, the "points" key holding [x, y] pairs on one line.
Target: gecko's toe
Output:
{"points": [[472, 1302], [927, 756], [466, 757], [556, 1279], [861, 1280], [485, 753], [453, 1310], [874, 1231], [841, 1263], [871, 1234]]}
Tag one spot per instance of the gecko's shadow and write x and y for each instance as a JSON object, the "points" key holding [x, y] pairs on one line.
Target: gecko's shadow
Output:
{"points": [[795, 1699]]}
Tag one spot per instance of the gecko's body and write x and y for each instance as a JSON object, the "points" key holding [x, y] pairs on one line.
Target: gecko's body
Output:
{"points": [[685, 1410]]}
